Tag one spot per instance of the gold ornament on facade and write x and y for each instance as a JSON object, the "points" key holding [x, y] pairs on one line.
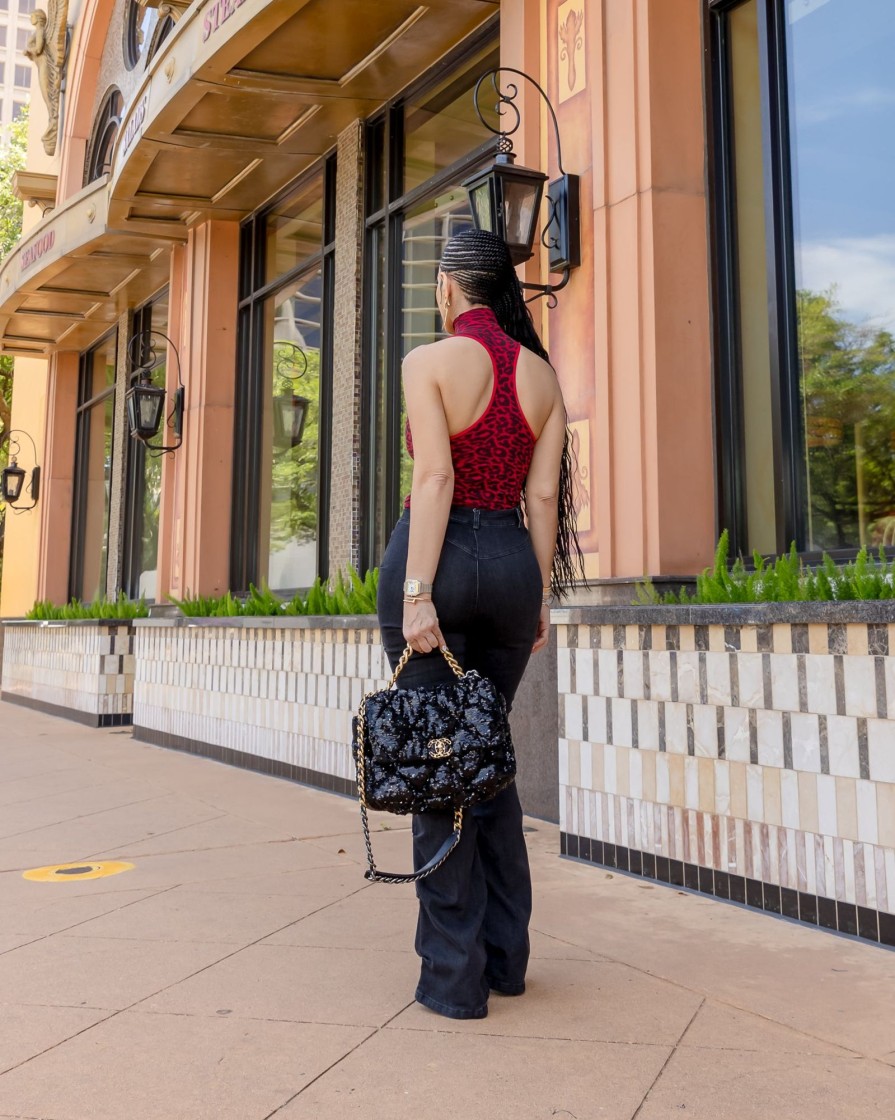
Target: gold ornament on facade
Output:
{"points": [[572, 42], [46, 47]]}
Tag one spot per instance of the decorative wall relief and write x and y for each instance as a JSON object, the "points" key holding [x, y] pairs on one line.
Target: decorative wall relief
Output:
{"points": [[46, 47], [572, 77]]}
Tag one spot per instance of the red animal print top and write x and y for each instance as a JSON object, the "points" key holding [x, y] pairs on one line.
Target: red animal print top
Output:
{"points": [[492, 456]]}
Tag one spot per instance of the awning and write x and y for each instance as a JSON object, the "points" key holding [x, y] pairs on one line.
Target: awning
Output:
{"points": [[70, 278], [240, 99]]}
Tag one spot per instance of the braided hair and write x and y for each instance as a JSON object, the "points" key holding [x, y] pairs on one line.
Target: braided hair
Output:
{"points": [[480, 263]]}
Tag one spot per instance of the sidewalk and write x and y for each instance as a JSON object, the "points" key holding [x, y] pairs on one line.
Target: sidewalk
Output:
{"points": [[243, 969]]}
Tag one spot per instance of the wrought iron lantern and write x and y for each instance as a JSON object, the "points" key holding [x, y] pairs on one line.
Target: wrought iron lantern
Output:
{"points": [[12, 477], [506, 199], [146, 401], [290, 411]]}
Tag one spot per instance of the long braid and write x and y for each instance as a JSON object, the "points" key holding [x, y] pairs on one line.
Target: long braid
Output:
{"points": [[480, 263]]}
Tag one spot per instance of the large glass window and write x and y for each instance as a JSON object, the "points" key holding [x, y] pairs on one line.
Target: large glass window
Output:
{"points": [[280, 491], [93, 470], [144, 466], [804, 97], [418, 153]]}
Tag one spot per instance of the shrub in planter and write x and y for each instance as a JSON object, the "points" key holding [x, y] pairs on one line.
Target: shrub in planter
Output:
{"points": [[120, 608], [784, 579], [351, 596]]}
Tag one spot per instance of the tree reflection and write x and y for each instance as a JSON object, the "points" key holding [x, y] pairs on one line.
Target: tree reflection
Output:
{"points": [[848, 397]]}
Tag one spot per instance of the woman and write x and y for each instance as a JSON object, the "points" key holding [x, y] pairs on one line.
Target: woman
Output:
{"points": [[464, 569]]}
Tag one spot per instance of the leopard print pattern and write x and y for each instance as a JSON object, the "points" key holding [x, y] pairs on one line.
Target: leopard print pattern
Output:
{"points": [[492, 456]]}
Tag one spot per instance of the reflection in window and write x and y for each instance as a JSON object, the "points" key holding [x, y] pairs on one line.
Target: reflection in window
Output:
{"points": [[752, 286], [294, 231], [441, 126], [427, 143], [841, 109], [144, 472], [284, 389], [139, 24], [427, 227], [102, 142], [93, 470], [289, 465]]}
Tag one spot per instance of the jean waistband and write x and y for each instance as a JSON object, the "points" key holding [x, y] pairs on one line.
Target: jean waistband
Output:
{"points": [[466, 515]]}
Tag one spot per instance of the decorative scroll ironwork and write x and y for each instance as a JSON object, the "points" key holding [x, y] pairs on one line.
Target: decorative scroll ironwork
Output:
{"points": [[147, 351]]}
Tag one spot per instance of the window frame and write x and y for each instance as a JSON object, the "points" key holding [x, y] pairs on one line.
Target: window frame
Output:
{"points": [[387, 221], [788, 437], [135, 470], [102, 138], [254, 291], [83, 417]]}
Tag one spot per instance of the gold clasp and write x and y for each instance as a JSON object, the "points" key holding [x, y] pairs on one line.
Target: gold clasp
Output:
{"points": [[439, 748]]}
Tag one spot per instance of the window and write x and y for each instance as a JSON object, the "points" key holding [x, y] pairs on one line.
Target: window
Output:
{"points": [[93, 470], [105, 129], [804, 94], [22, 36], [19, 108], [2, 71], [283, 396], [417, 154], [23, 77], [144, 467], [139, 25], [25, 7], [3, 36], [4, 5], [163, 29]]}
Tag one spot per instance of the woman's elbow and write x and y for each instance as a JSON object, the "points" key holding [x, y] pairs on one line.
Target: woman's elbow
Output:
{"points": [[437, 479]]}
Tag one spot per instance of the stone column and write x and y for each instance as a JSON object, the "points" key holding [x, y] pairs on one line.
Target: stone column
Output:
{"points": [[200, 534], [345, 460], [57, 478], [631, 334]]}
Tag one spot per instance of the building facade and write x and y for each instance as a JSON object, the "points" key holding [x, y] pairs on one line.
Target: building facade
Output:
{"points": [[252, 199], [16, 29]]}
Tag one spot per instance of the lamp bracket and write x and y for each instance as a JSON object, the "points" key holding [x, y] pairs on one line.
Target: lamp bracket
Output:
{"points": [[145, 354], [292, 361], [15, 449], [506, 103]]}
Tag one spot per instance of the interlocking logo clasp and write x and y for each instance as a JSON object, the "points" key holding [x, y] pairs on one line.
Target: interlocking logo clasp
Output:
{"points": [[439, 748]]}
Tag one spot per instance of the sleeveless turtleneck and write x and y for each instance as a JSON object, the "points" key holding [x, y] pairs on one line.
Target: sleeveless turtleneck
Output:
{"points": [[492, 456]]}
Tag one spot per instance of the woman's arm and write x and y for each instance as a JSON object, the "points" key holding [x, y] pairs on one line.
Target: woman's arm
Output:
{"points": [[431, 492], [542, 502]]}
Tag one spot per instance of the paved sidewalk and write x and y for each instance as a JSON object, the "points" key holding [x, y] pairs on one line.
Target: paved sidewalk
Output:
{"points": [[243, 969]]}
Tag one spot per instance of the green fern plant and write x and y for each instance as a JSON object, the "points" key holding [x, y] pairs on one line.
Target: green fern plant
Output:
{"points": [[784, 580]]}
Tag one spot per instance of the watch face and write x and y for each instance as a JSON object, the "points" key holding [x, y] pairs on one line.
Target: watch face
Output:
{"points": [[412, 587]]}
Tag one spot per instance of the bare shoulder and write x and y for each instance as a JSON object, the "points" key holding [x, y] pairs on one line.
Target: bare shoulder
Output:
{"points": [[536, 376], [434, 358]]}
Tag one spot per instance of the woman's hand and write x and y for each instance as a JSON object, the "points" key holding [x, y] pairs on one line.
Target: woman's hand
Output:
{"points": [[421, 629], [543, 629]]}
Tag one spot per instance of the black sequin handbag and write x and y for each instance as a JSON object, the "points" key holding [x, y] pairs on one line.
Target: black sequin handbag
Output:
{"points": [[441, 747]]}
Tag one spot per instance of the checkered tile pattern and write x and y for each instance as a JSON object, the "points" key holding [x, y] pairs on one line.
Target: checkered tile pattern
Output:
{"points": [[85, 668], [284, 693], [764, 752]]}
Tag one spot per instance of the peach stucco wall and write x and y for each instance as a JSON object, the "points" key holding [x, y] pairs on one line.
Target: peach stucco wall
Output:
{"points": [[631, 334], [203, 302]]}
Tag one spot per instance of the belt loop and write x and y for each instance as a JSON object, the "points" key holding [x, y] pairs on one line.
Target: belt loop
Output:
{"points": [[476, 518], [519, 519]]}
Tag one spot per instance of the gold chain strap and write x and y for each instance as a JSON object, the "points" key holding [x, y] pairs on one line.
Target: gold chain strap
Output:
{"points": [[361, 765]]}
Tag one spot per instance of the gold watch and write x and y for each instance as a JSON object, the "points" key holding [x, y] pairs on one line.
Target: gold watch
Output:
{"points": [[413, 587]]}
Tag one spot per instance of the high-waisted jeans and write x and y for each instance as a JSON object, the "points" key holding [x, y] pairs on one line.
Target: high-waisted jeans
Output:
{"points": [[472, 933]]}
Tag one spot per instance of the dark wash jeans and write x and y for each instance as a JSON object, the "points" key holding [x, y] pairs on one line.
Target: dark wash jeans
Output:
{"points": [[472, 933]]}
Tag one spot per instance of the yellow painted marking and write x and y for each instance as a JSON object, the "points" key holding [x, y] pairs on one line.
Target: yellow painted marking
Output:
{"points": [[70, 872]]}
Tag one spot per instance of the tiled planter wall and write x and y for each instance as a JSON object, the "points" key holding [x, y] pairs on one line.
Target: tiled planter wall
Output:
{"points": [[81, 670], [744, 752], [274, 695]]}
